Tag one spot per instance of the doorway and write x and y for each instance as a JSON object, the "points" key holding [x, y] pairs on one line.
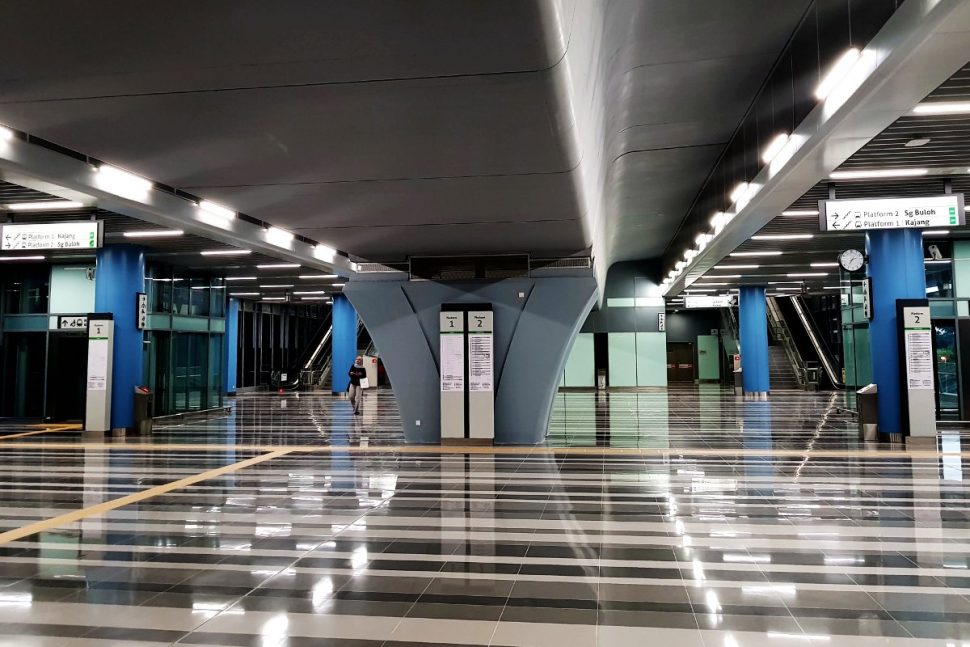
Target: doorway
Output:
{"points": [[67, 359], [680, 361]]}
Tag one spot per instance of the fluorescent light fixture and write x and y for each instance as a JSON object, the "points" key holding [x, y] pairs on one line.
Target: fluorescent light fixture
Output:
{"points": [[936, 261], [790, 289], [279, 237], [836, 73], [679, 265], [932, 289], [276, 286], [690, 254], [835, 287], [226, 252], [942, 108], [278, 266], [783, 237], [800, 212], [936, 232], [44, 205], [309, 277], [244, 294], [878, 173], [123, 183], [241, 278], [739, 191], [324, 252], [158, 233], [723, 276], [5, 134], [712, 283], [824, 264], [217, 209], [199, 287], [700, 290], [313, 298], [736, 267], [793, 274], [310, 292], [274, 298], [773, 253], [337, 285], [22, 258], [774, 147]]}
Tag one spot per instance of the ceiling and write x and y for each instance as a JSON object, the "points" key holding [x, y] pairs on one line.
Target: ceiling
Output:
{"points": [[388, 128], [946, 157], [182, 252]]}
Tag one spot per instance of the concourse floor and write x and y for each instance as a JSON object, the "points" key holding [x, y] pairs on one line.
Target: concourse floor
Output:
{"points": [[681, 518]]}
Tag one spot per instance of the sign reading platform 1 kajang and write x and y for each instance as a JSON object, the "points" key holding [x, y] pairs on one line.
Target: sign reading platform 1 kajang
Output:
{"points": [[79, 234], [891, 213]]}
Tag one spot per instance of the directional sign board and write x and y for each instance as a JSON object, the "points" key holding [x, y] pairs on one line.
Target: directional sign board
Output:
{"points": [[725, 301], [891, 213], [79, 234]]}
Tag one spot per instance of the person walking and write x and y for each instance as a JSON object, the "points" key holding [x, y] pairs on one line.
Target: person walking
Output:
{"points": [[357, 374]]}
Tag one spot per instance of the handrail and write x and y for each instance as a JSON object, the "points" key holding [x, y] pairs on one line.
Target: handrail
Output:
{"points": [[816, 343], [782, 334]]}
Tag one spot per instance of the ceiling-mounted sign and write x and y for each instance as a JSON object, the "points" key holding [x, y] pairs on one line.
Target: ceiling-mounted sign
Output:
{"points": [[724, 301], [891, 213], [78, 234]]}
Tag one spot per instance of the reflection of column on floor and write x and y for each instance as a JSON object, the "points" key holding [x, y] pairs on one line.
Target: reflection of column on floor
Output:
{"points": [[756, 434], [709, 414], [95, 472], [927, 521], [468, 507]]}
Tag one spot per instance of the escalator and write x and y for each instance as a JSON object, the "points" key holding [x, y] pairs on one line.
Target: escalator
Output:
{"points": [[308, 367], [796, 329]]}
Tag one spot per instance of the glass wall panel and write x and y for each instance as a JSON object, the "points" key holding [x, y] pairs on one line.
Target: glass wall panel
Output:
{"points": [[24, 365], [946, 366]]}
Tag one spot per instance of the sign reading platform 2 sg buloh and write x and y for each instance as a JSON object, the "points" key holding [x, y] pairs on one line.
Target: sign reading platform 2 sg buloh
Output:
{"points": [[79, 234], [891, 213]]}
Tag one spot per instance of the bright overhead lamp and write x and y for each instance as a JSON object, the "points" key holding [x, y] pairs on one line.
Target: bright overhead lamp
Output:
{"points": [[241, 278], [123, 183], [794, 274], [824, 264], [700, 290], [279, 237], [878, 173], [783, 237], [789, 289], [274, 299], [836, 73], [324, 252], [313, 299], [705, 284], [275, 286], [736, 267], [773, 253], [157, 233], [800, 212], [774, 147], [216, 209], [739, 192], [278, 266], [310, 292], [44, 205], [679, 265], [337, 285], [942, 108], [936, 232], [723, 276], [22, 258], [244, 294], [835, 287], [309, 277], [5, 134], [226, 252]]}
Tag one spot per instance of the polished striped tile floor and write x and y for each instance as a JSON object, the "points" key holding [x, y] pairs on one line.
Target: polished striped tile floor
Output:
{"points": [[680, 518]]}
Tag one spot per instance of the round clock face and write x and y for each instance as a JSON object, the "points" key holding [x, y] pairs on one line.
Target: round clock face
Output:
{"points": [[851, 260]]}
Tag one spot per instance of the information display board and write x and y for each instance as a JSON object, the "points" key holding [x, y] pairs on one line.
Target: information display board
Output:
{"points": [[97, 413], [891, 213], [917, 367], [141, 312], [451, 346], [481, 375], [78, 234]]}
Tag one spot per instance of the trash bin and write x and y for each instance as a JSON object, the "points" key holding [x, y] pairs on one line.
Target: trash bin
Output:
{"points": [[144, 406], [601, 380], [867, 400], [738, 384]]}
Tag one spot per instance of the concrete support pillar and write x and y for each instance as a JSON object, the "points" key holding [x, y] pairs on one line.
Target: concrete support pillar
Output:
{"points": [[897, 272], [231, 350], [343, 341], [120, 276], [754, 342]]}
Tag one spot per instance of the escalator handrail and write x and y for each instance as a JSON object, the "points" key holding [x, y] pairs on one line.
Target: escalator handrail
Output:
{"points": [[823, 354]]}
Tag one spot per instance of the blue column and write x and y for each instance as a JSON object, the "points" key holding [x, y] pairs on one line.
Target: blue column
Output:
{"points": [[753, 317], [343, 341], [231, 351], [119, 277], [897, 272]]}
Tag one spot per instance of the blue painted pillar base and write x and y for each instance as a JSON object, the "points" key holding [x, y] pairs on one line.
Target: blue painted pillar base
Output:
{"points": [[343, 341], [231, 349], [897, 272], [119, 277], [753, 317]]}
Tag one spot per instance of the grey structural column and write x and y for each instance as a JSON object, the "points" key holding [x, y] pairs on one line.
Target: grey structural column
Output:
{"points": [[535, 321]]}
